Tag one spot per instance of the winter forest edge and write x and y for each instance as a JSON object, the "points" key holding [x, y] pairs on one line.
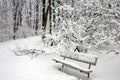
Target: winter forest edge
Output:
{"points": [[90, 21]]}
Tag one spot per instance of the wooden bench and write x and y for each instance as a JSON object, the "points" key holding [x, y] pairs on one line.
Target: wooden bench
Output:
{"points": [[81, 57]]}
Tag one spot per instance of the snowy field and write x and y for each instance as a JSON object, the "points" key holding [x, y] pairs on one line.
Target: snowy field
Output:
{"points": [[42, 67]]}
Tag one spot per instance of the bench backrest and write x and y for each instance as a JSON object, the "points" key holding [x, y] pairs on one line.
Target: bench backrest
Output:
{"points": [[82, 57]]}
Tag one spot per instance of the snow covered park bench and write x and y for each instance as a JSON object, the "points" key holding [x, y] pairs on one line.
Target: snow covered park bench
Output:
{"points": [[78, 57]]}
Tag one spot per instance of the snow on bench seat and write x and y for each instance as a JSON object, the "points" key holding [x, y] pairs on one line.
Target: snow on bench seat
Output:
{"points": [[73, 65]]}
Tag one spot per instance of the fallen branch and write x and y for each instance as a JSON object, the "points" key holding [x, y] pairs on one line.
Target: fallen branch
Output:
{"points": [[116, 52], [30, 52]]}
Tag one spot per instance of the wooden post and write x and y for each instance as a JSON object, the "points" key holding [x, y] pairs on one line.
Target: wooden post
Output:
{"points": [[63, 58], [62, 65], [95, 61], [88, 75], [89, 66]]}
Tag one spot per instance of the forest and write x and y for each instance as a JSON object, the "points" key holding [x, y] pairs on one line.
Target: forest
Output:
{"points": [[90, 22]]}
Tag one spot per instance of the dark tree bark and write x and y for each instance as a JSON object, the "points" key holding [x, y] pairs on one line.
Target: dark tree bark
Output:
{"points": [[50, 16], [47, 10], [37, 16], [15, 11], [72, 3], [20, 12], [30, 14], [17, 15], [43, 15], [53, 11], [46, 15]]}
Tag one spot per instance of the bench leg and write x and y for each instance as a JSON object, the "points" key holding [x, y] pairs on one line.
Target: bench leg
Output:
{"points": [[81, 71], [88, 75], [59, 69], [62, 66]]}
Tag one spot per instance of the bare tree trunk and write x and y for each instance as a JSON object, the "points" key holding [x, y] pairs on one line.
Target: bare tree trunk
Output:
{"points": [[30, 14], [21, 3], [50, 16], [17, 15], [53, 15], [37, 16], [43, 15], [15, 9], [72, 3], [46, 14]]}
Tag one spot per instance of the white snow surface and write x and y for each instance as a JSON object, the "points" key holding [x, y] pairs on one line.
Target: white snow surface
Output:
{"points": [[42, 67]]}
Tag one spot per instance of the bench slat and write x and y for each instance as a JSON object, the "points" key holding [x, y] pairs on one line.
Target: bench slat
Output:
{"points": [[73, 65], [82, 57]]}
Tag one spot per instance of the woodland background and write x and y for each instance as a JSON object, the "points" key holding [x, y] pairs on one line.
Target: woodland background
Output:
{"points": [[80, 22]]}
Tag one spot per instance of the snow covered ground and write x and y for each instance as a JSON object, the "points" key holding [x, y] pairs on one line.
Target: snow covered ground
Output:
{"points": [[42, 67]]}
